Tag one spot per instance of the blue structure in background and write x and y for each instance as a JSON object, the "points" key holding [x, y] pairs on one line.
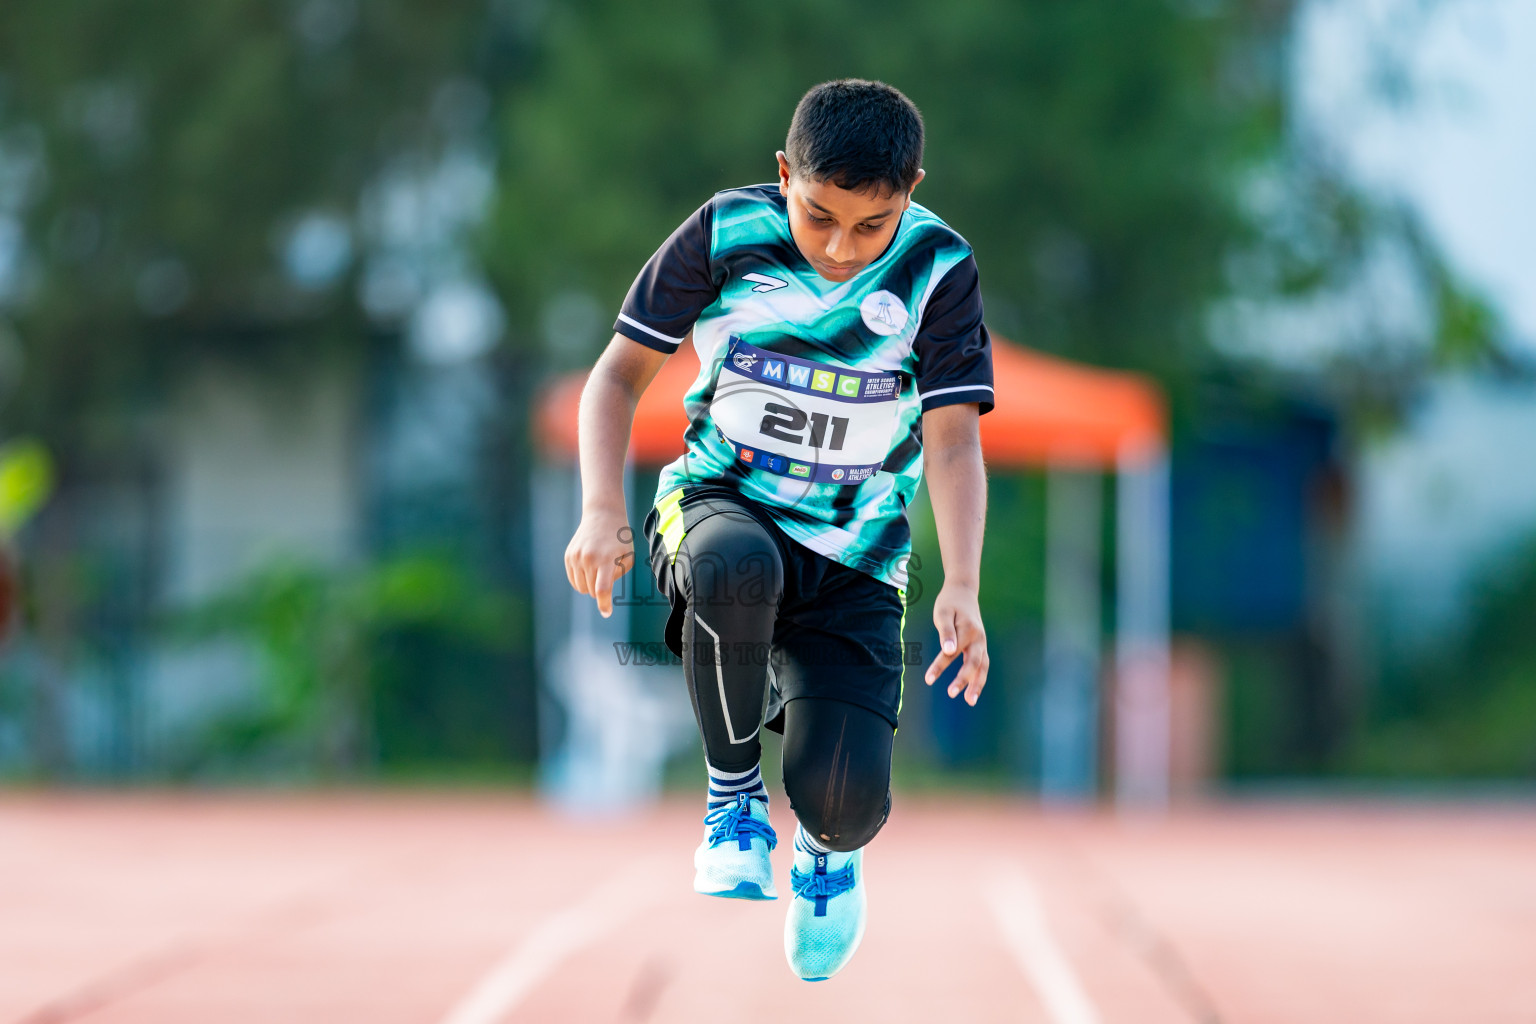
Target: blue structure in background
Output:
{"points": [[1253, 493], [1246, 493]]}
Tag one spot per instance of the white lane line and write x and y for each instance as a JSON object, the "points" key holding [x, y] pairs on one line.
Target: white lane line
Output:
{"points": [[543, 949], [1015, 904]]}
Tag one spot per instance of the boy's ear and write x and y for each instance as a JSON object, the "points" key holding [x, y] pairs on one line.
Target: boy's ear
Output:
{"points": [[783, 172], [915, 182]]}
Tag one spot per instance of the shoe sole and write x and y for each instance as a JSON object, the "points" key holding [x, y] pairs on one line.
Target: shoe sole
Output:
{"points": [[743, 891]]}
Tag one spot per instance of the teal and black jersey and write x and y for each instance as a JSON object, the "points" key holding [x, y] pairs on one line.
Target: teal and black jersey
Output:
{"points": [[810, 394]]}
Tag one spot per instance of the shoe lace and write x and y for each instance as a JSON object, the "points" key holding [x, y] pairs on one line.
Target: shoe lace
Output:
{"points": [[736, 822], [823, 884]]}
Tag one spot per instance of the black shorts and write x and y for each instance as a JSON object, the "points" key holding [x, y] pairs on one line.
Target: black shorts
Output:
{"points": [[838, 633]]}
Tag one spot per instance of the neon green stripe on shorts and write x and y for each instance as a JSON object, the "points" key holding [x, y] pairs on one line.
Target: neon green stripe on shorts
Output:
{"points": [[671, 521]]}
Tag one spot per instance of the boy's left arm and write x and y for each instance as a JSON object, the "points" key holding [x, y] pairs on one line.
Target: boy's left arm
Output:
{"points": [[957, 489]]}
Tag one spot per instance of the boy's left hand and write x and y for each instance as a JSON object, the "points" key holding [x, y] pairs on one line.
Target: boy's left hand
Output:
{"points": [[957, 615]]}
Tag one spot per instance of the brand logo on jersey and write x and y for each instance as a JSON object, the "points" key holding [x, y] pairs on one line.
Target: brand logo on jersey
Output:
{"points": [[879, 387], [799, 469], [847, 386], [773, 369], [837, 474], [745, 360], [747, 454], [765, 283], [823, 380], [800, 376], [883, 313]]}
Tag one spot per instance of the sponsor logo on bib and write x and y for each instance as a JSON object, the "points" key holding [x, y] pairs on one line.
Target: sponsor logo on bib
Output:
{"points": [[788, 416], [883, 313]]}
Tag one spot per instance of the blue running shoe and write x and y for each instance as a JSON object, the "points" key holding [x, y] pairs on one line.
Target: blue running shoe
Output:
{"points": [[732, 861], [826, 913]]}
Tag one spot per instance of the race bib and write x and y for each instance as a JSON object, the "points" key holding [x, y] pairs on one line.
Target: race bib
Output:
{"points": [[804, 419]]}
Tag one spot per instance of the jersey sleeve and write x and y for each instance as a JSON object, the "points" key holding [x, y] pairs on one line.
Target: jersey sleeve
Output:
{"points": [[674, 287], [954, 350]]}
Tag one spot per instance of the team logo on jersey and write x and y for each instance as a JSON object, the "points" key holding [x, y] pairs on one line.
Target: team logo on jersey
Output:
{"points": [[764, 283], [745, 360], [883, 313]]}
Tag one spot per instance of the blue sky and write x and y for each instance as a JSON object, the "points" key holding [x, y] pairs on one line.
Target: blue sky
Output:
{"points": [[1460, 145]]}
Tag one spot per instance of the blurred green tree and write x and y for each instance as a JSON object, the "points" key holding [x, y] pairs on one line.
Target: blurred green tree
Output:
{"points": [[182, 179], [181, 182], [347, 676], [1118, 165], [1465, 708]]}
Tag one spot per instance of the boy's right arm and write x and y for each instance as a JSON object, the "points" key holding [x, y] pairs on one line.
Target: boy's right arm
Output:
{"points": [[603, 548]]}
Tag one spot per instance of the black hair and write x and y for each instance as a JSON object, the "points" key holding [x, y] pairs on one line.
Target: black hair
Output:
{"points": [[858, 135]]}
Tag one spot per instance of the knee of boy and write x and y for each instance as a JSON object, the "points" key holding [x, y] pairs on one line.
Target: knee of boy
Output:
{"points": [[702, 576], [759, 578], [845, 821], [731, 568]]}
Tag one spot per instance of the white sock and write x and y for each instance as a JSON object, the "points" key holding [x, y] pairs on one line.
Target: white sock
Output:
{"points": [[725, 786], [804, 841]]}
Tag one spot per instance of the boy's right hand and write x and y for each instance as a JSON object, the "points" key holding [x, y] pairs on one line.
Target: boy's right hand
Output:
{"points": [[601, 551]]}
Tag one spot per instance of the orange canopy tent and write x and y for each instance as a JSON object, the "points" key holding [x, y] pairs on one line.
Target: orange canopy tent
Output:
{"points": [[1049, 412]]}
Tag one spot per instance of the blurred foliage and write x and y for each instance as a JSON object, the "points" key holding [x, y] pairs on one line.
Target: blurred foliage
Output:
{"points": [[1087, 150], [183, 181], [1117, 165], [26, 478], [158, 156], [1469, 709], [360, 668]]}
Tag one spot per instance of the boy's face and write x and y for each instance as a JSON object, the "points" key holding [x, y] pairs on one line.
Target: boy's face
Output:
{"points": [[839, 232]]}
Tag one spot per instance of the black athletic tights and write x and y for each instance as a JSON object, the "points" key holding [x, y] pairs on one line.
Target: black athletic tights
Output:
{"points": [[837, 756]]}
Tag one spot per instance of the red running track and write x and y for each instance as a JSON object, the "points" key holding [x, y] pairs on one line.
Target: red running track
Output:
{"points": [[460, 909]]}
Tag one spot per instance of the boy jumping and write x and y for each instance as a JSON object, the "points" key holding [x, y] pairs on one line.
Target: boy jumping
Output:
{"points": [[839, 332]]}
